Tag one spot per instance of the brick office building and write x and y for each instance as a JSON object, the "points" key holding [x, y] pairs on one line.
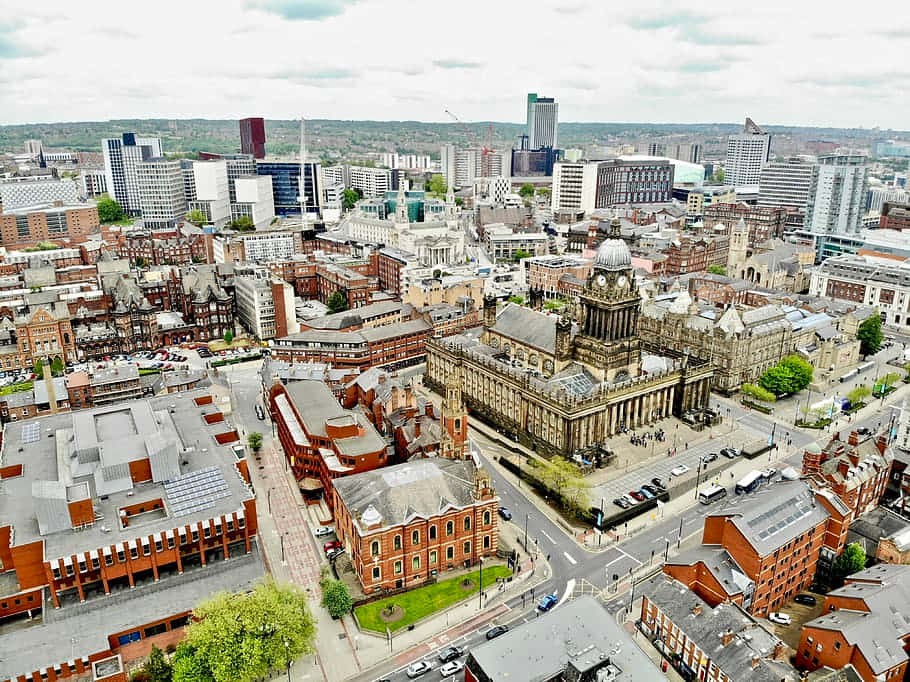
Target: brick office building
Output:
{"points": [[895, 216], [323, 441], [355, 286], [865, 623], [405, 523], [764, 222], [760, 549], [27, 226], [695, 254], [392, 265], [147, 492]]}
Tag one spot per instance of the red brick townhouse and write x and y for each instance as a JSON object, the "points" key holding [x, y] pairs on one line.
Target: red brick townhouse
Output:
{"points": [[760, 549], [99, 506], [865, 623], [321, 439], [405, 523]]}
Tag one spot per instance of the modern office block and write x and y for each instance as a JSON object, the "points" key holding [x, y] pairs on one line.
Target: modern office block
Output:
{"points": [[252, 137], [835, 203], [121, 157], [212, 196], [286, 189], [33, 190], [747, 154], [786, 183], [254, 199], [160, 189], [543, 121]]}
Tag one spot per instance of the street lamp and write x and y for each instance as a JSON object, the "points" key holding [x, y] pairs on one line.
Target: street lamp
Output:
{"points": [[269, 498], [480, 592], [701, 460], [526, 532]]}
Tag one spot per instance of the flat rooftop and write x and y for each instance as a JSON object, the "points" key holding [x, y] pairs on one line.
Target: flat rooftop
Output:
{"points": [[92, 448]]}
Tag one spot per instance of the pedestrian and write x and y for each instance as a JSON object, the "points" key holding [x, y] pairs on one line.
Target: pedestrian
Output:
{"points": [[548, 557]]}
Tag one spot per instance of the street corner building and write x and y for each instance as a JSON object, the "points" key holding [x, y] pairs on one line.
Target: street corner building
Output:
{"points": [[114, 522], [404, 524], [561, 385]]}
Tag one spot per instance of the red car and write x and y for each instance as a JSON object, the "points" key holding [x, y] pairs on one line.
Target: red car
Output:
{"points": [[637, 495], [331, 545]]}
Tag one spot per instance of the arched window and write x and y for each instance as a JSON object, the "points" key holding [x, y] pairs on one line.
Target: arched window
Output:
{"points": [[467, 548], [467, 523], [415, 563], [432, 532], [486, 518], [450, 527], [374, 548], [450, 553], [397, 568], [415, 537], [397, 542]]}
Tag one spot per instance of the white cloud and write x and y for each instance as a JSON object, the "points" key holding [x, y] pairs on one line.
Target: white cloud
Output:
{"points": [[784, 62]]}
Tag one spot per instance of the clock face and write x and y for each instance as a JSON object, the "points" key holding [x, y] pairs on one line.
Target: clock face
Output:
{"points": [[621, 281], [601, 280]]}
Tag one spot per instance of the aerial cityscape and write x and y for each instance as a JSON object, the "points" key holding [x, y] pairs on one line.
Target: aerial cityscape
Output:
{"points": [[572, 356]]}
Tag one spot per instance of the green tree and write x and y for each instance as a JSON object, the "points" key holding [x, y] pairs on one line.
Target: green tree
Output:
{"points": [[38, 368], [717, 269], [870, 335], [57, 366], [156, 668], [789, 376], [519, 254], [757, 392], [337, 303], [241, 637], [719, 175], [335, 597], [516, 299], [254, 440], [526, 190], [196, 217], [859, 394], [889, 379], [801, 370], [243, 223], [228, 336], [109, 211], [851, 560], [437, 185], [348, 198]]}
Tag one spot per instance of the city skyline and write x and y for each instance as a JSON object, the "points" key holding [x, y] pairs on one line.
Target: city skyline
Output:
{"points": [[700, 64]]}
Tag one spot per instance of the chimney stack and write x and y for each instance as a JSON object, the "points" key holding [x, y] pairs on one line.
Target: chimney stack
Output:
{"points": [[696, 610], [853, 439], [726, 637], [755, 661], [881, 443]]}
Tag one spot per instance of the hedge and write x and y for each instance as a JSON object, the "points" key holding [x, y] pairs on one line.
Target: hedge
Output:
{"points": [[758, 406]]}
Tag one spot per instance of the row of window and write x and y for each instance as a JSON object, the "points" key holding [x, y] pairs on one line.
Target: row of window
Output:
{"points": [[433, 558], [415, 534]]}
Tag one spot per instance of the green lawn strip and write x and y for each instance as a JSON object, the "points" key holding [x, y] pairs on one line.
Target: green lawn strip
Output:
{"points": [[15, 388], [423, 601]]}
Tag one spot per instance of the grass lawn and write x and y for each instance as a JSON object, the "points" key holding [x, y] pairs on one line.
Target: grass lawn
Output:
{"points": [[15, 388], [423, 601]]}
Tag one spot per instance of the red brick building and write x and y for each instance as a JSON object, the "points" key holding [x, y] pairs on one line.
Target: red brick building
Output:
{"points": [[28, 226], [695, 254], [857, 471], [764, 222], [895, 216], [718, 290], [391, 264], [864, 624], [355, 286], [759, 550], [321, 439], [405, 523]]}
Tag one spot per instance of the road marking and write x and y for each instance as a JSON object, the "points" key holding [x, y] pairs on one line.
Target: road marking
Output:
{"points": [[628, 555], [613, 562], [544, 533], [568, 556], [570, 586]]}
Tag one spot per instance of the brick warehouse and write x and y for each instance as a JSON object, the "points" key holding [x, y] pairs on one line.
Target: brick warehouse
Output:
{"points": [[404, 524], [116, 499]]}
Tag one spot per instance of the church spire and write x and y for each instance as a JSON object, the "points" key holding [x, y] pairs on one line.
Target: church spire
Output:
{"points": [[401, 205]]}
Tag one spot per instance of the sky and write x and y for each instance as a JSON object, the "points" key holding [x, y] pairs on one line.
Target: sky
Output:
{"points": [[800, 62]]}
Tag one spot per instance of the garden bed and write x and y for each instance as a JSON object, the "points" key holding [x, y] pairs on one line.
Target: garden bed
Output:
{"points": [[758, 406], [407, 608], [820, 424]]}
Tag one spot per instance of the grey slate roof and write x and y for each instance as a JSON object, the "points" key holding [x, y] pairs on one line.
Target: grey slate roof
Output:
{"points": [[423, 488], [581, 632], [527, 326], [750, 639]]}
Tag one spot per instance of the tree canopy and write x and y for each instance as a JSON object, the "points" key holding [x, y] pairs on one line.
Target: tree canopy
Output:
{"points": [[859, 394], [757, 392], [437, 185], [526, 190], [109, 210], [791, 375], [521, 253], [196, 217], [241, 637], [851, 560], [242, 223], [337, 303], [349, 197], [255, 440], [57, 366], [228, 336], [717, 269], [155, 669], [870, 335], [515, 298], [335, 595]]}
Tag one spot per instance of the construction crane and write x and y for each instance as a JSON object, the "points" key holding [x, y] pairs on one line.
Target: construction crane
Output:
{"points": [[486, 150]]}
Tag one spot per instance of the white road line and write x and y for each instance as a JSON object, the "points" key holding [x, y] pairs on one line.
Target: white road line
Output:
{"points": [[613, 562], [569, 557], [544, 533], [570, 586], [629, 555]]}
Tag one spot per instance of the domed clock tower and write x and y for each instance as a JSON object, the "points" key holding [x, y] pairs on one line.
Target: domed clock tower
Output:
{"points": [[608, 329]]}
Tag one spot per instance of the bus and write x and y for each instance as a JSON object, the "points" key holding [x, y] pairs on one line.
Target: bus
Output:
{"points": [[712, 493], [749, 482], [849, 375], [865, 367]]}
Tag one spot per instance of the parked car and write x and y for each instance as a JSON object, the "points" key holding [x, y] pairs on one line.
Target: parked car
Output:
{"points": [[710, 457], [863, 431], [322, 531], [631, 500], [505, 513], [729, 453], [496, 631], [657, 483], [419, 668], [647, 493], [331, 545], [622, 503], [260, 414], [451, 668], [547, 603], [450, 654], [769, 473], [652, 489], [779, 618], [805, 599], [334, 554], [637, 495], [679, 470]]}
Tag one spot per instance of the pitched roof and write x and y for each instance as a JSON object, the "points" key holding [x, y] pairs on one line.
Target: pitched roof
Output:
{"points": [[527, 327]]}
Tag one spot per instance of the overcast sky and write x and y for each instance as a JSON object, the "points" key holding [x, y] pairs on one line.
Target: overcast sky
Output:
{"points": [[800, 62]]}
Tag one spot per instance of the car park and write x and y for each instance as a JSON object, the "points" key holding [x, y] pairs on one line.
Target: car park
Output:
{"points": [[322, 531], [622, 503], [679, 470], [331, 545], [505, 513], [805, 599], [496, 631], [451, 668], [419, 668], [779, 618], [547, 603], [450, 654]]}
